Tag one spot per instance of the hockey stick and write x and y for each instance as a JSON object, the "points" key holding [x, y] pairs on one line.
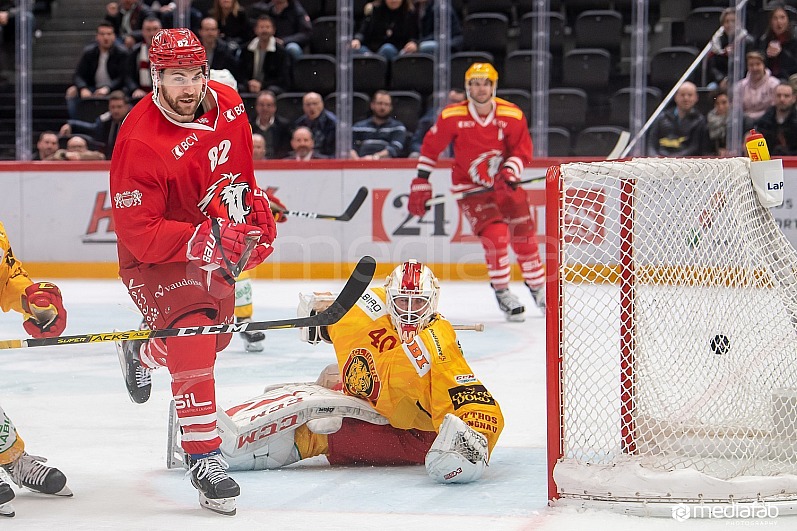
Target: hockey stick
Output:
{"points": [[477, 327], [352, 209], [358, 281], [622, 142]]}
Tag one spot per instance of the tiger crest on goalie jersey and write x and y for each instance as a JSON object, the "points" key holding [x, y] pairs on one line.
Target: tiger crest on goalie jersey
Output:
{"points": [[226, 200]]}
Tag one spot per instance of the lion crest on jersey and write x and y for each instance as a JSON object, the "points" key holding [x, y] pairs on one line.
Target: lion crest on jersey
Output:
{"points": [[485, 167], [226, 199], [360, 377]]}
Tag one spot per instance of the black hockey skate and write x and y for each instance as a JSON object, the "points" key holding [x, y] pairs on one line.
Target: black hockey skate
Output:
{"points": [[6, 495], [217, 490], [253, 341], [138, 378], [29, 472], [510, 305]]}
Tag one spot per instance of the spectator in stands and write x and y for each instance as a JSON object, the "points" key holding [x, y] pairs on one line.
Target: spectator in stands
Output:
{"points": [[105, 128], [127, 17], [779, 123], [303, 145], [100, 70], [679, 131], [139, 78], [779, 45], [722, 49], [717, 124], [320, 121], [221, 55], [46, 146], [428, 39], [390, 29], [77, 148], [258, 147], [265, 64], [274, 128], [379, 136], [426, 121], [292, 25], [233, 23], [9, 11], [757, 90]]}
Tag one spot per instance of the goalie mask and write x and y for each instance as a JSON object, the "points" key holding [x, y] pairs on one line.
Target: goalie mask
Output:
{"points": [[481, 71], [411, 291], [176, 48]]}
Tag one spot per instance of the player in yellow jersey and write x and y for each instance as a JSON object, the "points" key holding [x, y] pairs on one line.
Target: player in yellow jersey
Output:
{"points": [[41, 305], [408, 395]]}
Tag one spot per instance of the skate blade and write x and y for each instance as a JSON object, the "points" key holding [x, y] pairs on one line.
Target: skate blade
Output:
{"points": [[7, 510], [66, 492], [516, 318], [225, 506], [254, 347]]}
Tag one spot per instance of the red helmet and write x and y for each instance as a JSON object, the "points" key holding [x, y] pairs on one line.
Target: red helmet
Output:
{"points": [[175, 48]]}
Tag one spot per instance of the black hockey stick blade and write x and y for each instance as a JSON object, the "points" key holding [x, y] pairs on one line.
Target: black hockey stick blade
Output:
{"points": [[356, 285], [354, 206]]}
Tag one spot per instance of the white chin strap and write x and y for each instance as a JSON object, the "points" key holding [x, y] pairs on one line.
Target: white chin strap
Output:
{"points": [[156, 94]]}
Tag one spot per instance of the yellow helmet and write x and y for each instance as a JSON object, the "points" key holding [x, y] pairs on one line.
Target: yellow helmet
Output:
{"points": [[481, 71]]}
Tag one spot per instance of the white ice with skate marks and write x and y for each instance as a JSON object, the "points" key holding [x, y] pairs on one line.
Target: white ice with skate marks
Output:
{"points": [[71, 406]]}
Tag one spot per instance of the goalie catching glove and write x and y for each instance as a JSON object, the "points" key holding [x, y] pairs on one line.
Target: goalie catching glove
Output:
{"points": [[311, 304], [458, 454], [44, 310]]}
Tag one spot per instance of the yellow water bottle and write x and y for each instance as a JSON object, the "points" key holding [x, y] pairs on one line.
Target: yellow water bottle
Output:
{"points": [[757, 148]]}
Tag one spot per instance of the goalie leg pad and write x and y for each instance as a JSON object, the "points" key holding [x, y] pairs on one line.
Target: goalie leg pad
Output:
{"points": [[459, 454]]}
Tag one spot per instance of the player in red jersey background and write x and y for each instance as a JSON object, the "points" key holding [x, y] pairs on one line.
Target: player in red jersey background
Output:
{"points": [[189, 216], [492, 146]]}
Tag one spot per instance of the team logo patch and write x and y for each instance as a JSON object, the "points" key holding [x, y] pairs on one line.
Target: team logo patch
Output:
{"points": [[233, 113], [470, 394], [127, 199], [180, 149], [360, 377]]}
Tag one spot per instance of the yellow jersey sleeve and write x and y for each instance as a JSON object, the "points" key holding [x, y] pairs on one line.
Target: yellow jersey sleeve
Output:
{"points": [[414, 385], [13, 277]]}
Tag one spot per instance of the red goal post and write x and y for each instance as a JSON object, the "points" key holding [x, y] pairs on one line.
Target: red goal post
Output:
{"points": [[672, 350]]}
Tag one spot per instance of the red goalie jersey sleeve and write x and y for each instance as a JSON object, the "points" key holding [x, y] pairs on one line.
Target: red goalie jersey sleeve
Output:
{"points": [[482, 145]]}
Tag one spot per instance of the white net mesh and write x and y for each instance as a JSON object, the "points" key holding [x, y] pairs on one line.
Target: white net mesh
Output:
{"points": [[677, 327]]}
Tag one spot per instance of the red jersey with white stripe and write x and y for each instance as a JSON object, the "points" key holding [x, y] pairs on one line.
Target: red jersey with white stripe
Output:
{"points": [[482, 145], [168, 177]]}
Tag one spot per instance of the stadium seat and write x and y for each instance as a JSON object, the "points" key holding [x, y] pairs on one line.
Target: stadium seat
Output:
{"points": [[89, 109], [289, 105], [461, 61], [407, 106], [557, 30], [521, 98], [490, 6], [324, 38], [597, 28], [413, 71], [520, 68], [486, 32], [700, 25], [369, 73], [315, 73], [527, 6], [558, 142], [573, 8], [596, 141], [668, 65], [586, 68], [620, 105], [567, 107], [360, 105]]}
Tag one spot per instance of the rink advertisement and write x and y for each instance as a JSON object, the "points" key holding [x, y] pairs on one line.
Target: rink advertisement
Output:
{"points": [[61, 213]]}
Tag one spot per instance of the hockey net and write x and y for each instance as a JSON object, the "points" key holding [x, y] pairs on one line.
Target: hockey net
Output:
{"points": [[672, 351]]}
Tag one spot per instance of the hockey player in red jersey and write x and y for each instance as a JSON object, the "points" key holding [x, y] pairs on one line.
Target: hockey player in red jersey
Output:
{"points": [[189, 216], [492, 146], [43, 310]]}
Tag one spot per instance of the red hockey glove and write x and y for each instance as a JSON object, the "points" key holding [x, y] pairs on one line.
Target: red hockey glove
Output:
{"points": [[278, 209], [420, 193], [261, 216], [42, 301], [506, 182], [223, 247]]}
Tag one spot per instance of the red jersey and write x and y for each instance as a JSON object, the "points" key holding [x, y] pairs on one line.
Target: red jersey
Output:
{"points": [[482, 146], [168, 177]]}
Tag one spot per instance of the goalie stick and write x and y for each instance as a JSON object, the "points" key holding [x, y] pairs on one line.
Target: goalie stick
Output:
{"points": [[352, 209], [358, 282], [622, 142]]}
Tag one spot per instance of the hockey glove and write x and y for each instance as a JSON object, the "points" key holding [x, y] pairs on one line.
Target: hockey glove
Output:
{"points": [[420, 193], [506, 182], [224, 246], [47, 316], [278, 209], [261, 215], [459, 454]]}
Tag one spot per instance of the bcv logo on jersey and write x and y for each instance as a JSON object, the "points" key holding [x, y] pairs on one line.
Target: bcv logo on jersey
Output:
{"points": [[180, 149], [235, 112]]}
